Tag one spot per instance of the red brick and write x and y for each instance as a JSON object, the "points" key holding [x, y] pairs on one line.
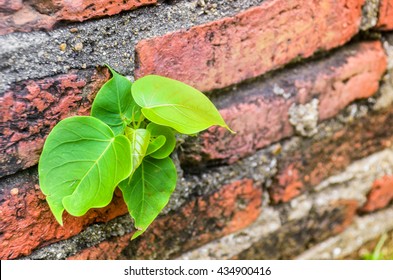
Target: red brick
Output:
{"points": [[36, 14], [233, 207], [27, 223], [231, 50], [313, 160], [380, 195], [385, 18], [10, 5], [260, 117], [25, 19], [289, 177], [349, 208], [30, 109], [86, 9]]}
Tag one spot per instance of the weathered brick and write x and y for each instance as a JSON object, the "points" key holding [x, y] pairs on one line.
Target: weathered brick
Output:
{"points": [[10, 5], [27, 223], [296, 236], [385, 18], [36, 15], [310, 161], [231, 50], [233, 207], [380, 195], [86, 9], [30, 109], [258, 111]]}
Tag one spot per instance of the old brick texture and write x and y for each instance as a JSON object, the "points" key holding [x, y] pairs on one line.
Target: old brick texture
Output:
{"points": [[233, 207], [296, 236], [231, 50], [27, 222], [32, 108], [26, 16], [380, 195], [259, 112], [306, 165]]}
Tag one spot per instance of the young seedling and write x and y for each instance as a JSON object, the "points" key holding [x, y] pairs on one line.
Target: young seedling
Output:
{"points": [[377, 252], [126, 142]]}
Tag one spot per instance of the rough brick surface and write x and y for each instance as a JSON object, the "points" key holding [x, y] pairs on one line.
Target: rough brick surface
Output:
{"points": [[258, 111], [233, 207], [10, 5], [296, 236], [225, 52], [27, 223], [381, 194], [30, 109], [36, 14], [385, 18], [310, 161]]}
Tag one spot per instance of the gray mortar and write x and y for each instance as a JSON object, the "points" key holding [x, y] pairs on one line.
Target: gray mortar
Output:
{"points": [[109, 40], [232, 244], [370, 12], [93, 235], [354, 111], [362, 230], [385, 95]]}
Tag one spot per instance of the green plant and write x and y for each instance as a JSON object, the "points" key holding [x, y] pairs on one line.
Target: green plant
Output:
{"points": [[377, 253], [126, 142]]}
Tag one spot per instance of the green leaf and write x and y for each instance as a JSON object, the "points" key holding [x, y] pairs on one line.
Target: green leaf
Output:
{"points": [[139, 139], [114, 104], [147, 193], [170, 142], [171, 103], [156, 144], [81, 164]]}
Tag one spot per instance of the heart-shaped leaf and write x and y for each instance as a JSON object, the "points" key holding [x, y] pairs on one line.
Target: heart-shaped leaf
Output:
{"points": [[170, 143], [147, 193], [81, 164], [114, 104], [172, 103]]}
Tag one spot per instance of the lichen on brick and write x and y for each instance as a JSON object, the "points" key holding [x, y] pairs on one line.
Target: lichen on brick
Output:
{"points": [[353, 112], [305, 118], [370, 12], [280, 92]]}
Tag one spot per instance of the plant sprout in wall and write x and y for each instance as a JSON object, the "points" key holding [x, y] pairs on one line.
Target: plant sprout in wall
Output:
{"points": [[126, 142]]}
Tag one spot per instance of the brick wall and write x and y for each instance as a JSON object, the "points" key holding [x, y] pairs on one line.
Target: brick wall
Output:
{"points": [[307, 85]]}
